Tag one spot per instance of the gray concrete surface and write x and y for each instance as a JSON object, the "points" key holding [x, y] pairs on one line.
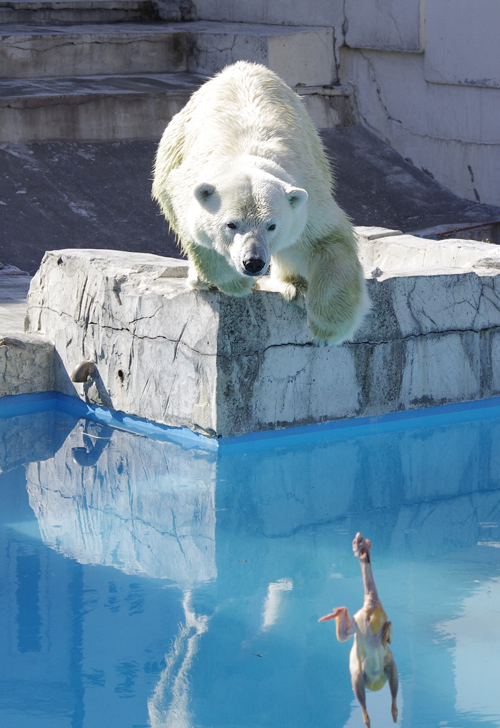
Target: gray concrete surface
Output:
{"points": [[228, 366], [36, 51], [14, 287], [376, 186], [108, 81], [300, 55], [113, 107], [57, 195], [71, 11]]}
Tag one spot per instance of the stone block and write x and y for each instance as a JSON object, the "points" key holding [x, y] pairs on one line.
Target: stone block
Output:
{"points": [[293, 12], [452, 24], [14, 287], [229, 366], [408, 252], [90, 50], [26, 364], [82, 11], [137, 106], [326, 111], [299, 55], [383, 24], [371, 232]]}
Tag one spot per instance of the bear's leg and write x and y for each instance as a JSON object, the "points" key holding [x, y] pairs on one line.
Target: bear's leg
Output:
{"points": [[336, 298], [195, 282], [292, 288]]}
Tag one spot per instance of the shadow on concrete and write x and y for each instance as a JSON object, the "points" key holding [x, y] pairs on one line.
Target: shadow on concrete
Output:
{"points": [[78, 195], [98, 195], [376, 186]]}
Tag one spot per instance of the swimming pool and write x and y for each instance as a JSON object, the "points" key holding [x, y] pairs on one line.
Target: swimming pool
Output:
{"points": [[150, 583]]}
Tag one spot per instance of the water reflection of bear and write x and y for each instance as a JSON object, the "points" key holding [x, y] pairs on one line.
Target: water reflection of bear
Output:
{"points": [[142, 492], [143, 506]]}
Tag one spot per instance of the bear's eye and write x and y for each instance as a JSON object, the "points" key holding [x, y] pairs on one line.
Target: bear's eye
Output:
{"points": [[271, 227], [231, 226]]}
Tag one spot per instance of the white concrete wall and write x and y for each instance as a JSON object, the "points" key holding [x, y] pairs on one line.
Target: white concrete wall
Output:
{"points": [[462, 43], [426, 75], [427, 80], [388, 24], [328, 13], [451, 131]]}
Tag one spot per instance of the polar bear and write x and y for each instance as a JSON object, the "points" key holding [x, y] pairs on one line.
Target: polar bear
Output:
{"points": [[243, 180]]}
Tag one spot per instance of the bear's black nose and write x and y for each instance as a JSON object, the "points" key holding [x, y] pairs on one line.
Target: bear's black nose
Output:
{"points": [[253, 266]]}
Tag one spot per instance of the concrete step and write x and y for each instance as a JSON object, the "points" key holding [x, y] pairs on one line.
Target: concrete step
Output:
{"points": [[134, 106], [300, 55], [92, 49], [76, 11]]}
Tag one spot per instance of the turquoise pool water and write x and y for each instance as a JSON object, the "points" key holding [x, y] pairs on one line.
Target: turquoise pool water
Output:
{"points": [[146, 583]]}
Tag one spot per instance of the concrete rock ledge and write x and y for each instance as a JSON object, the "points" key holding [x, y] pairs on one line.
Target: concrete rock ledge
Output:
{"points": [[227, 366], [26, 364]]}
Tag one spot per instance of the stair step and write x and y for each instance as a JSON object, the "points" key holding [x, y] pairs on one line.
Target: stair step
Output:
{"points": [[92, 49], [300, 55], [134, 106], [77, 11]]}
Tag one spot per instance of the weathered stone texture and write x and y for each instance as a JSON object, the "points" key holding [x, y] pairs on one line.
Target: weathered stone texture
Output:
{"points": [[26, 364], [154, 344], [228, 366]]}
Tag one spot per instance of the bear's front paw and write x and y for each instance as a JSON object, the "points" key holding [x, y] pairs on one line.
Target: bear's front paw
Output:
{"points": [[289, 291], [200, 286], [294, 289], [195, 283]]}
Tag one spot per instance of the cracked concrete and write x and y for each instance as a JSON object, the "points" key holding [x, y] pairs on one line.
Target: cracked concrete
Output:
{"points": [[91, 64], [85, 50], [426, 122], [26, 364], [117, 11], [227, 366], [98, 107]]}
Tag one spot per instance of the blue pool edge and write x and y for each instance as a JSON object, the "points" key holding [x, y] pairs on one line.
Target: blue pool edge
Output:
{"points": [[22, 404]]}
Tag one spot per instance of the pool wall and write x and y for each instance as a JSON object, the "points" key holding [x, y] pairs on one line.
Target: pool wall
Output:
{"points": [[225, 366]]}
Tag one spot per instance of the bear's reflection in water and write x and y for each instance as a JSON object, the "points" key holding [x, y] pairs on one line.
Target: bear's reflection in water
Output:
{"points": [[143, 506], [258, 543], [148, 507]]}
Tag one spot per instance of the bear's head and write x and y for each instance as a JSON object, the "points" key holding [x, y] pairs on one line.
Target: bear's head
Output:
{"points": [[247, 216]]}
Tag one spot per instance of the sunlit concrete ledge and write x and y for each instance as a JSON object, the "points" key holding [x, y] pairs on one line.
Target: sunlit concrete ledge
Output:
{"points": [[225, 366]]}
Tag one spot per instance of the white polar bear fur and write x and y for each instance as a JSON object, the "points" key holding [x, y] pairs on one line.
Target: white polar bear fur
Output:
{"points": [[241, 175]]}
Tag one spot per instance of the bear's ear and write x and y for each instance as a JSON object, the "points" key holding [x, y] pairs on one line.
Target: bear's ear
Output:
{"points": [[296, 196], [203, 191]]}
